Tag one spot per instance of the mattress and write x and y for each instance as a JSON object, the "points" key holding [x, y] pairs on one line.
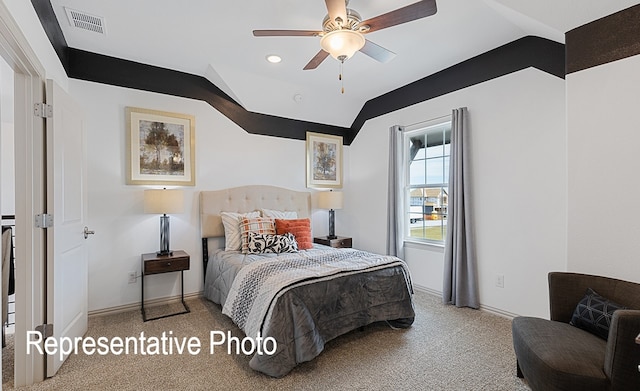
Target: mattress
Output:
{"points": [[304, 300]]}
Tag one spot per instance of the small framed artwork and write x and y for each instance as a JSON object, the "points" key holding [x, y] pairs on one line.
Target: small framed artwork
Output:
{"points": [[324, 161], [160, 148]]}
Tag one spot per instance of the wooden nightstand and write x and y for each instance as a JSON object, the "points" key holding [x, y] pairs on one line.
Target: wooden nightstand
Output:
{"points": [[339, 242], [153, 263]]}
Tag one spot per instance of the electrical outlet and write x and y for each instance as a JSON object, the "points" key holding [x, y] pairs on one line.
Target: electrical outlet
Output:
{"points": [[132, 277], [500, 280]]}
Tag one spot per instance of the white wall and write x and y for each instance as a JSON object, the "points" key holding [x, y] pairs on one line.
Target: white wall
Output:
{"points": [[604, 159], [529, 220], [226, 156], [8, 178], [519, 174]]}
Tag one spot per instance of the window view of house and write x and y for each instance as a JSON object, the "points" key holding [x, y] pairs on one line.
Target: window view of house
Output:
{"points": [[427, 150]]}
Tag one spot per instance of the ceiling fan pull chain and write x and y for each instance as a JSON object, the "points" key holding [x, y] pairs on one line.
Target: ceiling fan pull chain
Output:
{"points": [[340, 76]]}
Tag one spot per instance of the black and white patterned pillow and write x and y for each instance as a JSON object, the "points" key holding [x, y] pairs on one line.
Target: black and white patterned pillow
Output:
{"points": [[593, 314], [267, 243]]}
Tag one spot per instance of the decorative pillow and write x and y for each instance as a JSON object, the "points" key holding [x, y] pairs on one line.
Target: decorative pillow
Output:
{"points": [[260, 225], [279, 214], [231, 223], [593, 314], [265, 243], [300, 228]]}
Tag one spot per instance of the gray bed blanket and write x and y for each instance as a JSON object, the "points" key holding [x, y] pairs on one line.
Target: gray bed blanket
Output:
{"points": [[304, 300]]}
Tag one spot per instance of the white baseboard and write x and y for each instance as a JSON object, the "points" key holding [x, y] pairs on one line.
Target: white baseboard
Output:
{"points": [[497, 311], [424, 289], [149, 303], [173, 299], [489, 309]]}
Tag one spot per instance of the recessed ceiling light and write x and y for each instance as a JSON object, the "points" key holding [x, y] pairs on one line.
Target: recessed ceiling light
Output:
{"points": [[273, 58]]}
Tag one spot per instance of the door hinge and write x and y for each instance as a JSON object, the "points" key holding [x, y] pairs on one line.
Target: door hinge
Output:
{"points": [[44, 220], [46, 330], [43, 110]]}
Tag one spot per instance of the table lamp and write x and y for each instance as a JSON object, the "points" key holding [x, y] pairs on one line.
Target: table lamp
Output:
{"points": [[330, 200], [163, 201]]}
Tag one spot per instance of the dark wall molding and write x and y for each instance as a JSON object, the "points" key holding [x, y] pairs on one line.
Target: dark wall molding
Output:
{"points": [[540, 53], [103, 69], [51, 27], [605, 40]]}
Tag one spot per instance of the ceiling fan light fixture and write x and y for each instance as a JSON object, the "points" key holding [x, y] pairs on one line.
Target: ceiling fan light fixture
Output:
{"points": [[342, 44]]}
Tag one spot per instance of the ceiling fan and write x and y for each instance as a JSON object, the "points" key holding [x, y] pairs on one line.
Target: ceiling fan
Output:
{"points": [[343, 31]]}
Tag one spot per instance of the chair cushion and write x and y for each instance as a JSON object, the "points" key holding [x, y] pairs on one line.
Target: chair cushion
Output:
{"points": [[557, 356]]}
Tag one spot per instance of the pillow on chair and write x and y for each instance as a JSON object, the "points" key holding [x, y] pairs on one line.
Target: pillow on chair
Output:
{"points": [[593, 314]]}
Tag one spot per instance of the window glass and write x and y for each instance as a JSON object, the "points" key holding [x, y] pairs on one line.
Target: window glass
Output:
{"points": [[427, 151], [435, 170], [418, 172]]}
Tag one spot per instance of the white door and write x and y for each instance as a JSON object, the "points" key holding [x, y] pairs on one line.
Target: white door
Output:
{"points": [[66, 201]]}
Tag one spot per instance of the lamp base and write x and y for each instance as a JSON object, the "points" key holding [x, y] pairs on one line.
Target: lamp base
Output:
{"points": [[164, 253], [164, 236], [332, 224]]}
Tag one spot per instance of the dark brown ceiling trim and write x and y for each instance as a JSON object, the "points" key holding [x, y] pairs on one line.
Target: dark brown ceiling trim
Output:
{"points": [[99, 68], [51, 27], [540, 53], [608, 39]]}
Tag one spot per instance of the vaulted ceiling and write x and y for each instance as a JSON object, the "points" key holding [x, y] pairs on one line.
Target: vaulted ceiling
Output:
{"points": [[214, 39]]}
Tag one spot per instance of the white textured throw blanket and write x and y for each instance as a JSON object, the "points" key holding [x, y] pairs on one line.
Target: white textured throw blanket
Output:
{"points": [[258, 284]]}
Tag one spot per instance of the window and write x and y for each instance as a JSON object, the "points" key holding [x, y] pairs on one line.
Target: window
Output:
{"points": [[427, 151]]}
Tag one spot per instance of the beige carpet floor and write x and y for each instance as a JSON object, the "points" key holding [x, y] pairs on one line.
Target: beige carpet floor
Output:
{"points": [[447, 348]]}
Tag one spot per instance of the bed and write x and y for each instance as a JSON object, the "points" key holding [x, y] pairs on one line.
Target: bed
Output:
{"points": [[300, 300]]}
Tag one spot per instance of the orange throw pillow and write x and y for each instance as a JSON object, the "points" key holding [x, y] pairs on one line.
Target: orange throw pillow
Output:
{"points": [[300, 228]]}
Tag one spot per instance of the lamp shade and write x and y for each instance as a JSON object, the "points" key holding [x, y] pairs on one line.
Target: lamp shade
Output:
{"points": [[330, 200], [163, 201], [342, 44]]}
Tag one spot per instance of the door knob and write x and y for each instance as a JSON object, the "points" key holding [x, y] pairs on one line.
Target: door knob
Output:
{"points": [[87, 232]]}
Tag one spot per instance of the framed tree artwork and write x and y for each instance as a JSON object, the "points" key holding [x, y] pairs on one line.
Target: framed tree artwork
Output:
{"points": [[160, 148], [324, 161]]}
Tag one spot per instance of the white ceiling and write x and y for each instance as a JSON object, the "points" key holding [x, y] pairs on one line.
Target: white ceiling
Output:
{"points": [[214, 39]]}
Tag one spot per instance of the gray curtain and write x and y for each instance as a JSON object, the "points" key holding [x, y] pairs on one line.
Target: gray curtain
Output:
{"points": [[460, 269], [395, 203]]}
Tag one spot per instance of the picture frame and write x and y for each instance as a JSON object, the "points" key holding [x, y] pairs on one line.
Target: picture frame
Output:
{"points": [[160, 148], [324, 161]]}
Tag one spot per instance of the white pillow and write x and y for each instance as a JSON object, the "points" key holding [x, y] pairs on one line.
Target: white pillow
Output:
{"points": [[279, 214], [231, 223]]}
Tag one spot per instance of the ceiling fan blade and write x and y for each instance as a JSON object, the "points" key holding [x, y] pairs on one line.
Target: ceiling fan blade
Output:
{"points": [[316, 60], [414, 11], [377, 52], [285, 33], [337, 9]]}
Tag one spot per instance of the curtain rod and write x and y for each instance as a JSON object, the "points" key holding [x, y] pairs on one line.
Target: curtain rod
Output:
{"points": [[426, 121]]}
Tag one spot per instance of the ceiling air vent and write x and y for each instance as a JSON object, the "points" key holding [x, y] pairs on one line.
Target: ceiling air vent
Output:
{"points": [[84, 21]]}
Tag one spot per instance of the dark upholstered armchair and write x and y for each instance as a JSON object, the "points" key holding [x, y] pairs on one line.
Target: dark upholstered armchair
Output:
{"points": [[554, 355]]}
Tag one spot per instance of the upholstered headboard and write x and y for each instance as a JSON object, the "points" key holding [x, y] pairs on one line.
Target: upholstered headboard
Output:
{"points": [[247, 199]]}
